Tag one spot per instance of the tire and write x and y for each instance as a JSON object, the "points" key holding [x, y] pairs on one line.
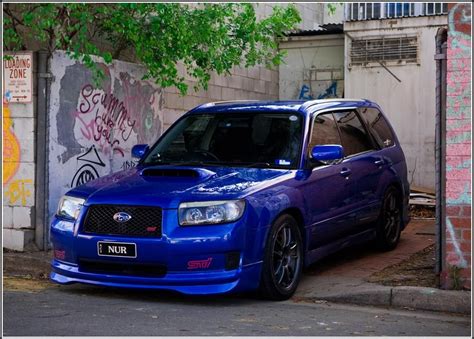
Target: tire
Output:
{"points": [[280, 277], [390, 220]]}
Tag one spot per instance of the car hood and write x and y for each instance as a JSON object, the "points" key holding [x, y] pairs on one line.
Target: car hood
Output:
{"points": [[167, 186]]}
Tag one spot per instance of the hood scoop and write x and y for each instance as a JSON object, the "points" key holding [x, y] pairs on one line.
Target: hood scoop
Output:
{"points": [[176, 172]]}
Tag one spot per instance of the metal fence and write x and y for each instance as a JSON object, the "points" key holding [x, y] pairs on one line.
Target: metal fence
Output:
{"points": [[385, 10]]}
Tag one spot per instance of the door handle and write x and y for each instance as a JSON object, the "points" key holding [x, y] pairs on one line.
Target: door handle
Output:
{"points": [[345, 172], [379, 162]]}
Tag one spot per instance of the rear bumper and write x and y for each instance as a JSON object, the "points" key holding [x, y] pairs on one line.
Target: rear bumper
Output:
{"points": [[217, 282]]}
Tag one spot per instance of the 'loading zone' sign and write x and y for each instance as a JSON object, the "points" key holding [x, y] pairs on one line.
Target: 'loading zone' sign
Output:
{"points": [[18, 77]]}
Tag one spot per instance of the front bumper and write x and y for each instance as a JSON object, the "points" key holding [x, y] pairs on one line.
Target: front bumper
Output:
{"points": [[177, 247]]}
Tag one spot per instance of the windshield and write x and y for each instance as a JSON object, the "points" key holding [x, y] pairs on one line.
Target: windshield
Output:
{"points": [[234, 139]]}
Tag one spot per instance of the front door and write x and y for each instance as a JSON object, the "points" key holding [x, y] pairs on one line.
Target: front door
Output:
{"points": [[329, 190]]}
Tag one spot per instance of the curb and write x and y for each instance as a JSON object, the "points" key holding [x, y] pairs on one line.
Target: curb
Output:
{"points": [[418, 298], [432, 299]]}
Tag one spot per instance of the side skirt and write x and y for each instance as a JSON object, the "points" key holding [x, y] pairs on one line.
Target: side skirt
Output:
{"points": [[351, 240]]}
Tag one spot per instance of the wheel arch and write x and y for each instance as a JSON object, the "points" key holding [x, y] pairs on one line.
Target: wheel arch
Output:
{"points": [[298, 216], [397, 185]]}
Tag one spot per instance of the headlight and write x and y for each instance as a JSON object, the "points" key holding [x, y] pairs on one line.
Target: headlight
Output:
{"points": [[210, 212], [69, 207]]}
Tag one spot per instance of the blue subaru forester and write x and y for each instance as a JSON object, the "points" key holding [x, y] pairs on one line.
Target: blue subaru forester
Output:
{"points": [[238, 196]]}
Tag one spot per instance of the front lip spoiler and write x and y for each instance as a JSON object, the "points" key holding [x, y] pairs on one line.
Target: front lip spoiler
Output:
{"points": [[185, 289], [205, 282]]}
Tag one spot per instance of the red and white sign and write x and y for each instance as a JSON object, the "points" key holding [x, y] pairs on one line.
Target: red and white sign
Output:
{"points": [[18, 77]]}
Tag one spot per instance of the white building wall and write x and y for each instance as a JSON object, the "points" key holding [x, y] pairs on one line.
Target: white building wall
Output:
{"points": [[335, 18], [313, 67], [409, 104], [18, 174]]}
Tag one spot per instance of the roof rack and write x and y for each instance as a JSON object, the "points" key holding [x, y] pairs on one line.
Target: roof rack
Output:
{"points": [[310, 103], [216, 103]]}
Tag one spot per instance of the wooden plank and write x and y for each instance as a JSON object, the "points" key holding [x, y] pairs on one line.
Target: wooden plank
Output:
{"points": [[422, 189], [423, 202]]}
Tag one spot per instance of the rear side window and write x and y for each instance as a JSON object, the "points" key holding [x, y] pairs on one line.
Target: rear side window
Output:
{"points": [[378, 126], [353, 134], [324, 132]]}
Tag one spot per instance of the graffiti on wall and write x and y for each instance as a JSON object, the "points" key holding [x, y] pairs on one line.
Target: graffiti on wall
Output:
{"points": [[305, 93], [128, 164], [326, 91], [109, 120], [322, 84], [94, 126], [11, 147], [87, 170], [18, 191], [330, 92]]}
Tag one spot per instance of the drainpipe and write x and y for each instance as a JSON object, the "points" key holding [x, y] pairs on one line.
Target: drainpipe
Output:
{"points": [[41, 175], [440, 148]]}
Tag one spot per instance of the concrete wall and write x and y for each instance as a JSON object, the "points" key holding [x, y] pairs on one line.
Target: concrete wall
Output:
{"points": [[409, 104], [313, 68], [458, 149], [18, 174], [256, 83], [93, 128]]}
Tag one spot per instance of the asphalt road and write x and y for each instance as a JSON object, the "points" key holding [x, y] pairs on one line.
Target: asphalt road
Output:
{"points": [[33, 309]]}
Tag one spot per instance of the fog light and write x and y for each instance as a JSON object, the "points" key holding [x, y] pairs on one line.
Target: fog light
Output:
{"points": [[232, 260]]}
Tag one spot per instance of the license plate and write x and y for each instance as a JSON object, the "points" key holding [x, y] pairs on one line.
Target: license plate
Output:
{"points": [[117, 249]]}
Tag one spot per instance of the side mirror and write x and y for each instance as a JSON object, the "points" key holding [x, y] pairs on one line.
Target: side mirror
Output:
{"points": [[139, 150], [327, 152]]}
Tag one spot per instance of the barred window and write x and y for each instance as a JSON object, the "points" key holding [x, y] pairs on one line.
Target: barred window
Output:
{"points": [[385, 10], [364, 51]]}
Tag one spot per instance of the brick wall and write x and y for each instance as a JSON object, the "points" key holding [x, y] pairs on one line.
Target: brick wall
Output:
{"points": [[457, 260]]}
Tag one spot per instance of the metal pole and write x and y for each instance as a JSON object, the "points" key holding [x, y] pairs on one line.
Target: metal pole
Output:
{"points": [[41, 197]]}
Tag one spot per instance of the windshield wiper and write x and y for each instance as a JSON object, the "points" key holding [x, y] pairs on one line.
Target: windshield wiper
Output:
{"points": [[185, 163], [261, 163], [210, 163]]}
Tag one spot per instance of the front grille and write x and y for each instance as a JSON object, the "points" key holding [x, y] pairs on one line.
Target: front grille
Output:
{"points": [[133, 269], [144, 221]]}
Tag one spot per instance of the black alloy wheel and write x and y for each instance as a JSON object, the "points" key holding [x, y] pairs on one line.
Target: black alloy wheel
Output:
{"points": [[282, 260], [389, 223]]}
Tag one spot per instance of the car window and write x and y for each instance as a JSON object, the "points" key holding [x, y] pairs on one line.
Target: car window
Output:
{"points": [[378, 126], [191, 138], [353, 134], [324, 132], [241, 139]]}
